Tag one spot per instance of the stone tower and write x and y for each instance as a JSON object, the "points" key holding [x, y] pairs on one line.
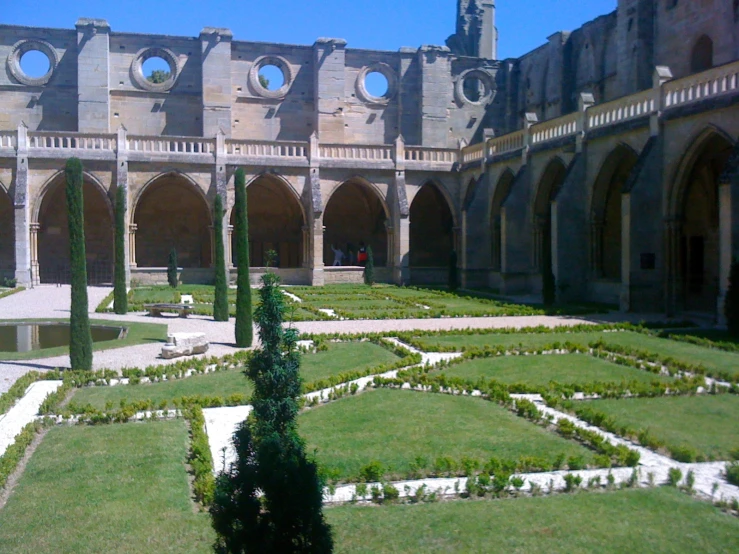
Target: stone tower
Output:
{"points": [[476, 33]]}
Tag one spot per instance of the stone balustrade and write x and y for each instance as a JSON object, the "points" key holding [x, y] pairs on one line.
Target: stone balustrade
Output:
{"points": [[266, 149], [71, 141], [170, 145], [473, 153], [554, 128], [622, 109], [432, 155], [356, 152], [8, 140], [506, 143], [714, 82]]}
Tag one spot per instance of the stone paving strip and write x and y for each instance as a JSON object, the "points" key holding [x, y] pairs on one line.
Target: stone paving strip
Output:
{"points": [[24, 411]]}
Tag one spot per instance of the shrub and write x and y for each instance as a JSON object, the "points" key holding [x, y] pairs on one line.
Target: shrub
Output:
{"points": [[390, 493], [372, 472], [731, 302], [80, 343], [220, 302], [674, 475], [576, 462], [244, 331], [732, 473], [120, 295], [172, 277], [684, 453], [369, 269], [572, 482]]}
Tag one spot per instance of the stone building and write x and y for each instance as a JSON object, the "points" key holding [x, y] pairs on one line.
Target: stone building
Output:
{"points": [[607, 155]]}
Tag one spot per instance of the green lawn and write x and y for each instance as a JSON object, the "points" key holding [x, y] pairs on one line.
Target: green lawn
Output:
{"points": [[712, 359], [138, 333], [394, 427], [709, 424], [540, 370], [339, 358], [113, 488], [652, 520]]}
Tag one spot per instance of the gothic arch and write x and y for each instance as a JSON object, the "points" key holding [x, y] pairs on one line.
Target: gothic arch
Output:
{"points": [[52, 231], [549, 185], [701, 56], [500, 195], [276, 221], [356, 213], [605, 212], [431, 227], [7, 233], [172, 212]]}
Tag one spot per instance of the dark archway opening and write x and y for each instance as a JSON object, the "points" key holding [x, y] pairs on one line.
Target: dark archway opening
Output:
{"points": [[549, 185], [701, 57], [355, 214], [171, 213], [53, 235], [275, 224], [698, 258], [606, 241], [431, 229], [7, 236]]}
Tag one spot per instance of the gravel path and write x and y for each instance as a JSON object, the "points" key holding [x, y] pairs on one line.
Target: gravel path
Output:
{"points": [[24, 412]]}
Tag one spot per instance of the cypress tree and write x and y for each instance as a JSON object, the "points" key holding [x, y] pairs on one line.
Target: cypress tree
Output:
{"points": [[80, 344], [453, 278], [244, 332], [120, 298], [220, 304], [369, 269], [172, 278], [271, 499], [731, 302]]}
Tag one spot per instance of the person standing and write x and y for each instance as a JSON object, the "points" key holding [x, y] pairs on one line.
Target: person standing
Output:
{"points": [[362, 254], [338, 255]]}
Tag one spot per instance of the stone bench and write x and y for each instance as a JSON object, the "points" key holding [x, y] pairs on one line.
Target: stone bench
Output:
{"points": [[184, 344], [155, 310]]}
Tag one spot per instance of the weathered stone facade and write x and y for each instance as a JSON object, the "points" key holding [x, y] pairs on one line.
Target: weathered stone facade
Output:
{"points": [[605, 154]]}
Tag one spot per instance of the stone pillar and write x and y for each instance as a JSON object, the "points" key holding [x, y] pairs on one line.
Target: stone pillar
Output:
{"points": [[401, 240], [625, 301], [329, 88], [463, 250], [216, 80], [35, 276], [305, 251], [502, 253], [317, 230], [93, 55], [122, 183], [229, 249], [436, 94], [596, 247], [132, 244], [725, 246], [673, 282], [584, 102], [661, 75], [23, 255], [316, 213]]}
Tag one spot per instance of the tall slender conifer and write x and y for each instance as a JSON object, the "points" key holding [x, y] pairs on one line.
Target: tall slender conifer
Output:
{"points": [[244, 331], [120, 296], [220, 304]]}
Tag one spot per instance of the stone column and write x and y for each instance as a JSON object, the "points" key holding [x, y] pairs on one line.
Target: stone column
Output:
{"points": [[132, 228], [215, 47], [315, 208], [725, 246], [673, 284], [229, 249], [401, 240], [596, 247], [463, 250], [317, 230], [305, 250], [23, 255], [35, 276]]}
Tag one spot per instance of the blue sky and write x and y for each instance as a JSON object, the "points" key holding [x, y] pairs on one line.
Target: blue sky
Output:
{"points": [[376, 24]]}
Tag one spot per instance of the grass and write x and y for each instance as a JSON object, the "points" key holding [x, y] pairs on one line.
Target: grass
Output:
{"points": [[5, 292], [113, 488], [394, 427], [540, 370], [713, 359], [709, 424], [643, 520], [339, 358], [138, 333]]}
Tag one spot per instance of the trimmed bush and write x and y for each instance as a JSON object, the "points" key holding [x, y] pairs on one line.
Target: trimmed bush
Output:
{"points": [[271, 499], [120, 295], [244, 332], [172, 278], [80, 343], [731, 302], [220, 303], [453, 278], [369, 269]]}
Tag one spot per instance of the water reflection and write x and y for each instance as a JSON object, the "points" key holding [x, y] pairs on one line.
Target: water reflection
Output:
{"points": [[26, 337]]}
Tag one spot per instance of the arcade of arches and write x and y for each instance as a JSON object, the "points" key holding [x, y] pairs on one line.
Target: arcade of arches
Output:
{"points": [[355, 214], [431, 229], [502, 190], [7, 235], [550, 183], [276, 222], [171, 213], [53, 234]]}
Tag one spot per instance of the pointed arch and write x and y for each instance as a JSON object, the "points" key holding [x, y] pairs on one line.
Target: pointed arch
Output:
{"points": [[701, 56], [7, 234], [172, 212], [276, 221], [431, 227], [695, 210], [549, 185], [605, 211], [50, 213], [356, 213]]}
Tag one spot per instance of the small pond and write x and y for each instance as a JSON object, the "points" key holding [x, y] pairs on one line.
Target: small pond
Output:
{"points": [[26, 337]]}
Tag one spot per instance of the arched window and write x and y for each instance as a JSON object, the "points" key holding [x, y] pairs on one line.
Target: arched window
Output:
{"points": [[702, 57]]}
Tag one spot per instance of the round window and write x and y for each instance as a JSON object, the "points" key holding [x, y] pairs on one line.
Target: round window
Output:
{"points": [[156, 70], [271, 77], [473, 89], [32, 62], [474, 86], [376, 84], [35, 64]]}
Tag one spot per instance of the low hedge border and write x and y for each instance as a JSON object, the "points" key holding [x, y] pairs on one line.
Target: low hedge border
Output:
{"points": [[14, 454]]}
